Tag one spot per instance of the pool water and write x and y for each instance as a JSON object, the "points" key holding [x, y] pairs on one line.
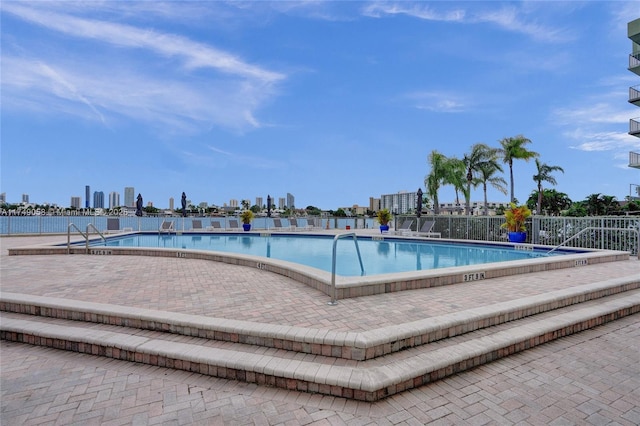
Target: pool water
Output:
{"points": [[379, 256]]}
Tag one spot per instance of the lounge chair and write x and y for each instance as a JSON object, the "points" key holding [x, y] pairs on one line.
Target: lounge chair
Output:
{"points": [[234, 224], [214, 225], [167, 226], [405, 228], [196, 225], [293, 224], [113, 225], [277, 224], [311, 224], [425, 229]]}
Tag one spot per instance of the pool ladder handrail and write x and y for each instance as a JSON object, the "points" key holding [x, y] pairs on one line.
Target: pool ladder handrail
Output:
{"points": [[333, 301], [85, 236], [597, 228]]}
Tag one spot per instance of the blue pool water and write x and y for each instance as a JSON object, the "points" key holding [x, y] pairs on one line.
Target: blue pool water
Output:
{"points": [[389, 255]]}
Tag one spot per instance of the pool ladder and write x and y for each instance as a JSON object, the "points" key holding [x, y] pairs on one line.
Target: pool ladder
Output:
{"points": [[86, 236], [333, 301]]}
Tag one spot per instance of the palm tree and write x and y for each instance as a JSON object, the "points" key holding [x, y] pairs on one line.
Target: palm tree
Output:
{"points": [[436, 177], [544, 175], [486, 175], [479, 155], [455, 175], [513, 149]]}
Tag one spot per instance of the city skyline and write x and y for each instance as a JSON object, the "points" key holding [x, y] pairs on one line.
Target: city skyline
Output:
{"points": [[328, 100]]}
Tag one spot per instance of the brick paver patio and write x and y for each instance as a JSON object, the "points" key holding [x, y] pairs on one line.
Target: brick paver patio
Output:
{"points": [[589, 378]]}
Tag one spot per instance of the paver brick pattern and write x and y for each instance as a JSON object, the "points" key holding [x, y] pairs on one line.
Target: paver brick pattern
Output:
{"points": [[589, 378]]}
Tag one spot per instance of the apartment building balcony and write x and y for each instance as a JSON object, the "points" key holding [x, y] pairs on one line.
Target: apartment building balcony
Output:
{"points": [[634, 63], [634, 160], [634, 127], [634, 95]]}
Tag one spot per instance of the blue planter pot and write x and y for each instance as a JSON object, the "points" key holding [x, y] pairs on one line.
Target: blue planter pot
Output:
{"points": [[246, 226], [517, 237], [384, 228]]}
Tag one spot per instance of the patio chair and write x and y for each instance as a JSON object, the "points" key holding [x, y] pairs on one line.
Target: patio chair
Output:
{"points": [[196, 225], [167, 226], [425, 230], [234, 224], [405, 228], [113, 225], [293, 224], [277, 224], [214, 225]]}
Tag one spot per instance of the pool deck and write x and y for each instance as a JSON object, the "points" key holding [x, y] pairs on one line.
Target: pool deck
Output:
{"points": [[244, 296]]}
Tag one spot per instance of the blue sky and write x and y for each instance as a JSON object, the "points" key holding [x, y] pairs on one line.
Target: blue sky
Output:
{"points": [[333, 102]]}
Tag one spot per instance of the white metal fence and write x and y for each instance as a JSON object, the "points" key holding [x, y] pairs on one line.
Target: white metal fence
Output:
{"points": [[609, 232]]}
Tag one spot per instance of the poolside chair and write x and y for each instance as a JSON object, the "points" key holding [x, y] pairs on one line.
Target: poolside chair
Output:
{"points": [[196, 225], [277, 224], [167, 226], [293, 224], [311, 223], [113, 225], [405, 228], [425, 230], [233, 224], [214, 225]]}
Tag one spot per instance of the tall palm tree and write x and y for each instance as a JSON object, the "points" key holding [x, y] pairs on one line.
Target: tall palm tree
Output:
{"points": [[436, 177], [480, 154], [455, 175], [513, 148], [544, 175], [487, 175]]}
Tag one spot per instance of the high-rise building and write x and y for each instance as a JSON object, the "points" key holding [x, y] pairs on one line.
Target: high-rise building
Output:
{"points": [[259, 202], [114, 200], [171, 202], [633, 32], [87, 196], [76, 202], [129, 196], [25, 198], [374, 204], [401, 203], [98, 200], [291, 204], [3, 198]]}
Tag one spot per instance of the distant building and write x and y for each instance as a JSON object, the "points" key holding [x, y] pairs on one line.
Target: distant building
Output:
{"points": [[3, 198], [282, 203], [98, 200], [374, 204], [25, 198], [76, 202], [171, 203], [129, 196], [87, 196], [259, 202], [401, 203], [233, 203], [291, 203], [114, 200]]}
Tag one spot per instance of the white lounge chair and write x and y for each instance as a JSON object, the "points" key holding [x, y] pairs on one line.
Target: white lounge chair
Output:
{"points": [[167, 226], [277, 225], [405, 228], [234, 224], [425, 229], [214, 225]]}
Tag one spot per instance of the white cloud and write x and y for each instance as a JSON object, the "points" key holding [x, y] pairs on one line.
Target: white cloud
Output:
{"points": [[437, 102]]}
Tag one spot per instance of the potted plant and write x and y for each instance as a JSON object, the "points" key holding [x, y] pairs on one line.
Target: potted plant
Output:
{"points": [[384, 217], [515, 217], [246, 217]]}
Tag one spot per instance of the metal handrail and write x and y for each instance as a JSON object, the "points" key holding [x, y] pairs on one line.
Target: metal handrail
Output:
{"points": [[99, 233], [333, 301], [597, 228], [69, 236]]}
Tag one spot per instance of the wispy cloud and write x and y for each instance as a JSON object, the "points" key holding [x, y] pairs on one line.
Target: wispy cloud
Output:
{"points": [[203, 85], [436, 102], [508, 18]]}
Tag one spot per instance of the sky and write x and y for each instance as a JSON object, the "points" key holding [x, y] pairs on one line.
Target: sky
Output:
{"points": [[333, 102]]}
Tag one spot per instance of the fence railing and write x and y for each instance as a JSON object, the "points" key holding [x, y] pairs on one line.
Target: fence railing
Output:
{"points": [[544, 230]]}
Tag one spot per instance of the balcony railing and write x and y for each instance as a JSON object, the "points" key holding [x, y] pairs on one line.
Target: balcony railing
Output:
{"points": [[634, 94], [634, 62], [634, 127], [634, 160]]}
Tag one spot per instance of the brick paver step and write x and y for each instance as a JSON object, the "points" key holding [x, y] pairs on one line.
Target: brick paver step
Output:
{"points": [[365, 380]]}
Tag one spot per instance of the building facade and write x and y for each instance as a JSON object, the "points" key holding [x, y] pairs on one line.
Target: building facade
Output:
{"points": [[75, 202], [87, 197], [633, 32], [114, 200], [403, 202], [129, 196], [98, 200]]}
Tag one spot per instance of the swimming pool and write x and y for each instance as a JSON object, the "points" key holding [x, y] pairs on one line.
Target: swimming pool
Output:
{"points": [[380, 255]]}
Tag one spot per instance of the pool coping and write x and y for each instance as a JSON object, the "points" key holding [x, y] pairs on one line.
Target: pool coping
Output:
{"points": [[348, 287]]}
